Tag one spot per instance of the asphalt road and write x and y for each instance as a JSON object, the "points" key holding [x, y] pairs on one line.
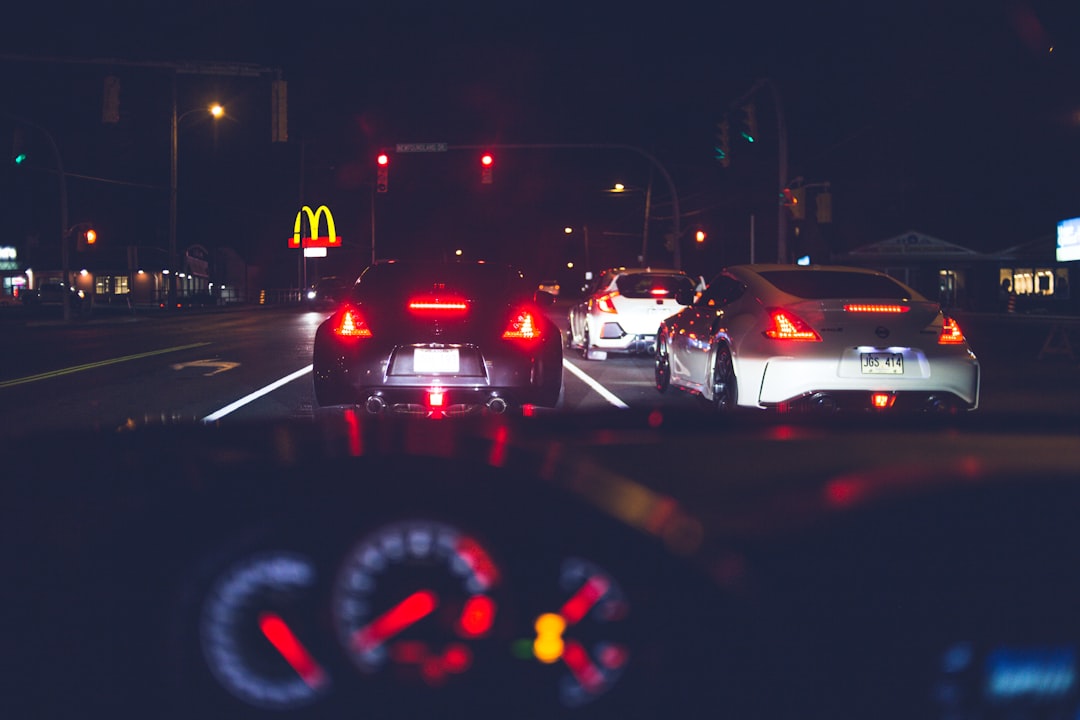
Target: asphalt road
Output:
{"points": [[254, 364]]}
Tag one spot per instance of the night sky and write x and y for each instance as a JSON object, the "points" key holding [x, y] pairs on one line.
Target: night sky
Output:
{"points": [[962, 122]]}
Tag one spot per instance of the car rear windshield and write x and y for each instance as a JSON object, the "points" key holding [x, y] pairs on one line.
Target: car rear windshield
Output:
{"points": [[652, 285], [487, 281], [822, 284]]}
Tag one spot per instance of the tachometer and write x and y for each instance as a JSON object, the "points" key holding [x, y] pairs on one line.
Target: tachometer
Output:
{"points": [[254, 623], [583, 635], [415, 597]]}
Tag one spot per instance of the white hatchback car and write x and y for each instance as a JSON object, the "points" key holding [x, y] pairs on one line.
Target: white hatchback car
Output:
{"points": [[622, 310], [825, 337]]}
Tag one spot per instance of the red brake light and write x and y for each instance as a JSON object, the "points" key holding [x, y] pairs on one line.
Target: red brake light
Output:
{"points": [[523, 326], [950, 332], [604, 302], [864, 308], [656, 292], [789, 326], [882, 400], [441, 305], [351, 324]]}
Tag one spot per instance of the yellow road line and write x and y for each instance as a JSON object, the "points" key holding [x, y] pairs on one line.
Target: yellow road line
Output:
{"points": [[91, 366]]}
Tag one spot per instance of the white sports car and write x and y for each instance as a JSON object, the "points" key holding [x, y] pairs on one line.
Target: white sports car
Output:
{"points": [[825, 337], [622, 310]]}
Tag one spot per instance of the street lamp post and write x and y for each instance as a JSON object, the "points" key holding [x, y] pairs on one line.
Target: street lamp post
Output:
{"points": [[216, 111], [585, 233], [620, 188]]}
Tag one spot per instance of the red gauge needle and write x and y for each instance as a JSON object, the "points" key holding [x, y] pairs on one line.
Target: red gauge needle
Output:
{"points": [[285, 642], [578, 606], [582, 667], [407, 612]]}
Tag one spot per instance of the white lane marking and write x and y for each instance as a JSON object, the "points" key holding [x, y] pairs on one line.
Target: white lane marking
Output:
{"points": [[600, 389], [255, 395]]}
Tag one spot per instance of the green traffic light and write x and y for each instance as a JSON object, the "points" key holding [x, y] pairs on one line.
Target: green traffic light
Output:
{"points": [[747, 137], [20, 158]]}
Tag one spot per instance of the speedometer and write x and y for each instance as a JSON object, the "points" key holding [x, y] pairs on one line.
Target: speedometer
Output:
{"points": [[415, 597], [255, 622]]}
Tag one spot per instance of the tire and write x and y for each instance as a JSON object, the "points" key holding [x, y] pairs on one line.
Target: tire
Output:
{"points": [[725, 387], [590, 353], [662, 365]]}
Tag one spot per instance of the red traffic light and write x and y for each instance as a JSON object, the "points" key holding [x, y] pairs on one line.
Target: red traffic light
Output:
{"points": [[699, 236], [382, 159], [487, 160]]}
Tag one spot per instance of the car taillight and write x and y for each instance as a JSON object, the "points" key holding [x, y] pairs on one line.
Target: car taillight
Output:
{"points": [[787, 325], [658, 292], [351, 324], [522, 326], [438, 305], [605, 302], [875, 308], [950, 332]]}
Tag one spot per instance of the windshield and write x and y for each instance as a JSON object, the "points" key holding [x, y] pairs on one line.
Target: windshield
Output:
{"points": [[400, 281], [644, 285], [540, 359], [826, 284]]}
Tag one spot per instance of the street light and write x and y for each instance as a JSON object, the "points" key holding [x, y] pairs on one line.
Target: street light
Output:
{"points": [[216, 111]]}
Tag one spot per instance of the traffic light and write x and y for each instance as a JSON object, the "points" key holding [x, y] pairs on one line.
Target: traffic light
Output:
{"points": [[699, 236], [795, 201], [722, 150], [86, 239], [749, 132], [487, 163], [824, 207], [18, 146], [383, 163]]}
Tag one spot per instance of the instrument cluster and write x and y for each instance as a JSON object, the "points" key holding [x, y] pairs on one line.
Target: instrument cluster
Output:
{"points": [[418, 605], [505, 598]]}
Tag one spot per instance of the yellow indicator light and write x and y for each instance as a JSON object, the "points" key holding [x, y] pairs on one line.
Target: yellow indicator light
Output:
{"points": [[548, 646]]}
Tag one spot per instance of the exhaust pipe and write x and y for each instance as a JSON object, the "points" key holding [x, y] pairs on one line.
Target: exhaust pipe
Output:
{"points": [[942, 405], [497, 405], [374, 405]]}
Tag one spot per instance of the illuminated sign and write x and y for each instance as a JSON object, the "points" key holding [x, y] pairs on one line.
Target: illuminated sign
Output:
{"points": [[421, 147], [8, 257], [1068, 240], [314, 240]]}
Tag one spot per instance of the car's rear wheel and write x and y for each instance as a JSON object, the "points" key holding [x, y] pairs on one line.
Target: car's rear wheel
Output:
{"points": [[725, 388], [587, 351], [662, 365]]}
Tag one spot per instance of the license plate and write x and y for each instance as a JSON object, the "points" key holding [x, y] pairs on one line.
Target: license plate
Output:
{"points": [[435, 360], [882, 363]]}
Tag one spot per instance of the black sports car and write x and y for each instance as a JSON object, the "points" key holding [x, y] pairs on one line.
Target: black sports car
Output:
{"points": [[439, 340]]}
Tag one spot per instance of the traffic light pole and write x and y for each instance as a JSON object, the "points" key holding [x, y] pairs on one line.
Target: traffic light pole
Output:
{"points": [[782, 159], [65, 258], [677, 251]]}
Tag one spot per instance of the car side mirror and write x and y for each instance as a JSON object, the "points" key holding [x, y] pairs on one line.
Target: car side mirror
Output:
{"points": [[684, 297], [543, 297]]}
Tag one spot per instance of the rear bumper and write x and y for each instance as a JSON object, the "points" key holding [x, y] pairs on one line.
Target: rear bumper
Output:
{"points": [[345, 374], [786, 382]]}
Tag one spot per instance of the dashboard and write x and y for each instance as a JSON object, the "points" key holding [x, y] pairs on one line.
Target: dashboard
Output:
{"points": [[530, 569]]}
